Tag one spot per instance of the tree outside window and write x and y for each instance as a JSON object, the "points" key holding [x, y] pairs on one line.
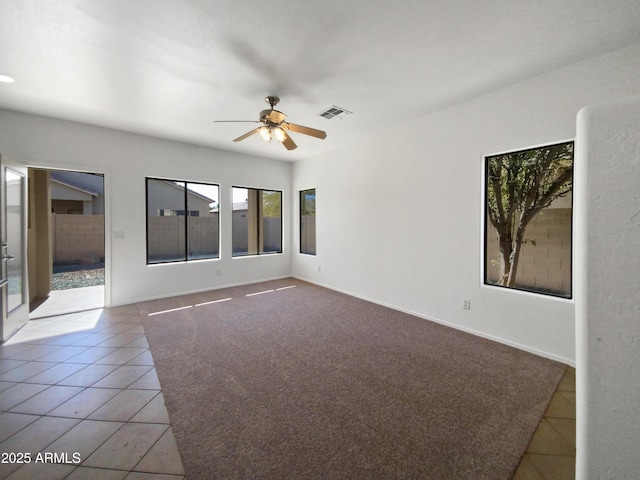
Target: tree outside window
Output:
{"points": [[529, 219], [308, 221], [256, 221]]}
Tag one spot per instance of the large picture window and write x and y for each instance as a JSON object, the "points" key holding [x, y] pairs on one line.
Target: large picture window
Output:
{"points": [[256, 221], [182, 221], [308, 221], [528, 224]]}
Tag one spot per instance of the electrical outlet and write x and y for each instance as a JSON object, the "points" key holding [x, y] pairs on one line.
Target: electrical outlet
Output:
{"points": [[466, 305], [218, 272], [319, 268]]}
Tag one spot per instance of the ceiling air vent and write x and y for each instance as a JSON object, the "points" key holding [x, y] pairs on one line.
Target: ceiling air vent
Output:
{"points": [[333, 112]]}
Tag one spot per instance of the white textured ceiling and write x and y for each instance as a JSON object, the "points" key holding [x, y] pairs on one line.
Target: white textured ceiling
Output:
{"points": [[169, 68]]}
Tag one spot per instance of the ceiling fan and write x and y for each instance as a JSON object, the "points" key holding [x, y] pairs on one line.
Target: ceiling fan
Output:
{"points": [[275, 126]]}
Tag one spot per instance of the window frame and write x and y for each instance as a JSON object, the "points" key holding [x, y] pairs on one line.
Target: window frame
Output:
{"points": [[548, 292], [302, 201], [259, 240], [186, 213]]}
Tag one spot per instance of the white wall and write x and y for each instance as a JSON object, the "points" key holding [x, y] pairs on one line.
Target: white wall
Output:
{"points": [[417, 190], [126, 159], [608, 292]]}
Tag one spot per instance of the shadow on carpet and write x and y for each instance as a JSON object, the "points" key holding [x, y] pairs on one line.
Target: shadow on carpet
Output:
{"points": [[288, 380]]}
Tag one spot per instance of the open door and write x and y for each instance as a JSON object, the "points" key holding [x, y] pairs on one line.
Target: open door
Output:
{"points": [[13, 231]]}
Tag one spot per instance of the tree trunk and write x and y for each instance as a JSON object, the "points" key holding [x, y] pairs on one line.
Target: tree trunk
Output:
{"points": [[506, 247], [510, 253], [515, 260]]}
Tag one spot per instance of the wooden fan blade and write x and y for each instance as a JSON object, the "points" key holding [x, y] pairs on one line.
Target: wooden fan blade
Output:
{"points": [[306, 130], [288, 142], [248, 134]]}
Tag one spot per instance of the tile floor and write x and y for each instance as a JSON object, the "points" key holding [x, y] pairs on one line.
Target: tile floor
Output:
{"points": [[552, 452], [81, 390], [69, 301]]}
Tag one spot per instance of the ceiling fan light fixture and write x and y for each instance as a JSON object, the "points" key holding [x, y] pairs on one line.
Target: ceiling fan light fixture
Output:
{"points": [[278, 132], [265, 133], [274, 125]]}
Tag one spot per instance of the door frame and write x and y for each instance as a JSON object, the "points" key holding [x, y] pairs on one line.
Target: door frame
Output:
{"points": [[107, 214]]}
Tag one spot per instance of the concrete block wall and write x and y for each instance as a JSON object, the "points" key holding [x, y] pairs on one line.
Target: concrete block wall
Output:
{"points": [[546, 265], [166, 236], [77, 239]]}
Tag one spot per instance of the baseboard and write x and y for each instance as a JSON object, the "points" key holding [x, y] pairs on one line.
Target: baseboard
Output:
{"points": [[526, 348]]}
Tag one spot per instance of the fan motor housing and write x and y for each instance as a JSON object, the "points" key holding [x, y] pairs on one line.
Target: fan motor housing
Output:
{"points": [[273, 116]]}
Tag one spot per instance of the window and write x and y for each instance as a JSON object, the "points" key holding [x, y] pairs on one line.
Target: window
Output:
{"points": [[528, 219], [257, 221], [182, 221], [308, 221]]}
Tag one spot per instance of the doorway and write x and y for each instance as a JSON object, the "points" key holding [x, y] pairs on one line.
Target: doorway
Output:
{"points": [[66, 242]]}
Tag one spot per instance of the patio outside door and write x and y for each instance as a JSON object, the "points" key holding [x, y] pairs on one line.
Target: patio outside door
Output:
{"points": [[13, 231]]}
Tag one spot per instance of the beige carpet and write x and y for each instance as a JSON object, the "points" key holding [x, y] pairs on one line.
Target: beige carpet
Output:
{"points": [[308, 383]]}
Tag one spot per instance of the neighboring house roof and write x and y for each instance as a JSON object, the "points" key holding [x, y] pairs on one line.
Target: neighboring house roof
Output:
{"points": [[191, 192], [75, 187], [212, 209], [85, 182]]}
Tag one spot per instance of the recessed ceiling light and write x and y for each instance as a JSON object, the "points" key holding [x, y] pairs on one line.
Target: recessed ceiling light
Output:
{"points": [[6, 79]]}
